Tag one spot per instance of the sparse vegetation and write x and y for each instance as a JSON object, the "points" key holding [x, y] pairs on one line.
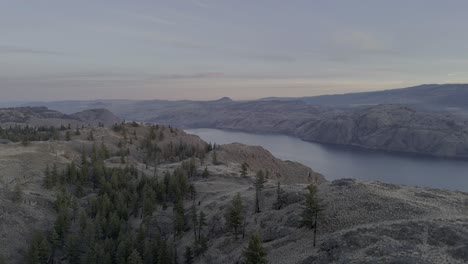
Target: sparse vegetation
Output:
{"points": [[311, 210], [279, 197], [259, 186], [255, 253], [244, 167], [234, 214]]}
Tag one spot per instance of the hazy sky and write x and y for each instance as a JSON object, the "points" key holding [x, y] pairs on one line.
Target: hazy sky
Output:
{"points": [[205, 49]]}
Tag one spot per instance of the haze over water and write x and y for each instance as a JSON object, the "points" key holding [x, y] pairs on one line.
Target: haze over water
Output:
{"points": [[336, 162]]}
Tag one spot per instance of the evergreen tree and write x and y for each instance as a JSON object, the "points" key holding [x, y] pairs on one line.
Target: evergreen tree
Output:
{"points": [[205, 173], [234, 214], [39, 249], [73, 173], [25, 141], [48, 182], [215, 158], [254, 253], [192, 167], [259, 186], [134, 258], [54, 175], [179, 218], [311, 210], [62, 223], [243, 170], [201, 224], [192, 191], [279, 197], [188, 256], [72, 248], [91, 135], [194, 217]]}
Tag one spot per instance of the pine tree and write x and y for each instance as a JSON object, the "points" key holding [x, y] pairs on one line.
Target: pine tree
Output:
{"points": [[91, 136], [192, 191], [67, 136], [192, 167], [73, 173], [234, 214], [188, 256], [179, 219], [243, 170], [194, 216], [215, 158], [311, 210], [54, 175], [205, 173], [254, 253], [134, 258], [201, 224], [48, 182], [39, 249], [62, 223], [279, 197], [259, 186], [25, 141]]}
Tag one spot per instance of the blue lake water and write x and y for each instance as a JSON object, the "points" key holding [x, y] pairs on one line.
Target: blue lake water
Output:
{"points": [[336, 162]]}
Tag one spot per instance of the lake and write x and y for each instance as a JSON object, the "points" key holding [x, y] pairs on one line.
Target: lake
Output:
{"points": [[336, 162]]}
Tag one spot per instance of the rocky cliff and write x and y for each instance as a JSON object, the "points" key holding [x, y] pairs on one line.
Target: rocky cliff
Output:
{"points": [[383, 127]]}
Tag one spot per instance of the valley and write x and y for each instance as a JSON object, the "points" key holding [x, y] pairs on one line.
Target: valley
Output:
{"points": [[427, 122], [361, 221]]}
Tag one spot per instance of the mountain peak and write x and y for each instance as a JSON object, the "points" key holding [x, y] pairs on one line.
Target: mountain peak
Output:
{"points": [[224, 99]]}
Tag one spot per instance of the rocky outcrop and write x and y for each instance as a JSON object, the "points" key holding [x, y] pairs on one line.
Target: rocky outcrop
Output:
{"points": [[258, 158], [384, 127], [393, 128]]}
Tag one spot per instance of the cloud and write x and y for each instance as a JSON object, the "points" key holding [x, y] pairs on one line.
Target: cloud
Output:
{"points": [[11, 49], [452, 74], [270, 57], [349, 45], [200, 3]]}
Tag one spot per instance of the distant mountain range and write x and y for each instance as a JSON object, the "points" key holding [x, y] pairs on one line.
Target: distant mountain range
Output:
{"points": [[430, 96], [43, 116], [428, 119]]}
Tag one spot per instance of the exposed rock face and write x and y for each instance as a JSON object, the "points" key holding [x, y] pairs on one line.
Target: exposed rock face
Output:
{"points": [[258, 158], [394, 128], [385, 127]]}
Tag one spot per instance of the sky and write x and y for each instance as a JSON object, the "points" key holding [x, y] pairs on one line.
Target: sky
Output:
{"points": [[244, 49]]}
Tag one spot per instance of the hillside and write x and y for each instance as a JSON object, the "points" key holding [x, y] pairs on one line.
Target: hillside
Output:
{"points": [[23, 167], [383, 127], [426, 119], [427, 96], [43, 116], [362, 222]]}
